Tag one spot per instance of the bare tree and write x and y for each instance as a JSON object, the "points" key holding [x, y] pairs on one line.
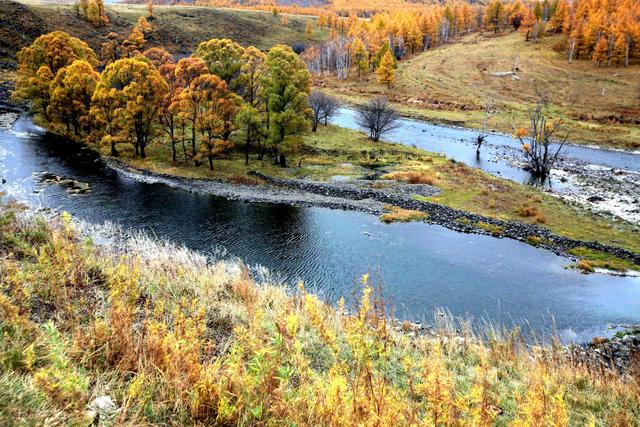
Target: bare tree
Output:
{"points": [[481, 138], [378, 117], [537, 141], [323, 107]]}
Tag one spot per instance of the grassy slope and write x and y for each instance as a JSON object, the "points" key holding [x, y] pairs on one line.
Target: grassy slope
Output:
{"points": [[174, 340], [178, 29], [452, 84], [338, 151]]}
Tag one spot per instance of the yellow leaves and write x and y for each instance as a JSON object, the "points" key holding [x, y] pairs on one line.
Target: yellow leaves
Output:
{"points": [[386, 70], [136, 386], [293, 323], [521, 132]]}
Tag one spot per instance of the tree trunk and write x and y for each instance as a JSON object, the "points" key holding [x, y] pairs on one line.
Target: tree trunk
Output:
{"points": [[114, 152], [210, 161], [246, 147], [283, 160]]}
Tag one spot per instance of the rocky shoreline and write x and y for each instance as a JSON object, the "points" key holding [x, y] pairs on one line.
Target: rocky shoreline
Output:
{"points": [[361, 196]]}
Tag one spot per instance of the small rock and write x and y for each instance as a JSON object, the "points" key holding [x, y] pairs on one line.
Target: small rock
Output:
{"points": [[102, 407]]}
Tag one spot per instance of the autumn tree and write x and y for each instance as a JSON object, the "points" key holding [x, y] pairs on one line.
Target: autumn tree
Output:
{"points": [[224, 59], [377, 117], [216, 119], [150, 9], [287, 84], [127, 101], [251, 73], [158, 56], [250, 120], [110, 49], [382, 51], [386, 73], [360, 57], [40, 62], [188, 69], [169, 114], [494, 15], [71, 93], [308, 30], [601, 52]]}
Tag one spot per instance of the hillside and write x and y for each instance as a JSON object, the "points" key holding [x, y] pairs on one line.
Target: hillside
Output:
{"points": [[452, 84], [178, 29]]}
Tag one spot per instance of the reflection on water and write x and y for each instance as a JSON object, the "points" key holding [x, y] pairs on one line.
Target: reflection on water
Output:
{"points": [[422, 266]]}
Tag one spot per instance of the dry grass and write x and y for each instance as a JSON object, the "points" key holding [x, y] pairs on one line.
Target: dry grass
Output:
{"points": [[451, 84], [396, 214], [411, 177]]}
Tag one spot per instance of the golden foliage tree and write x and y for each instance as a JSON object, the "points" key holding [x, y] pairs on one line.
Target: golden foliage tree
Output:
{"points": [[127, 101], [71, 93], [40, 62], [386, 72], [224, 59]]}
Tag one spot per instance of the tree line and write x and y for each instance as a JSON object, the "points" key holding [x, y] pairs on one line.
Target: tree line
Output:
{"points": [[606, 31], [196, 102]]}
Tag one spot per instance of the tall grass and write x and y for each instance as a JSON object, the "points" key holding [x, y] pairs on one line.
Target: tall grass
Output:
{"points": [[174, 338]]}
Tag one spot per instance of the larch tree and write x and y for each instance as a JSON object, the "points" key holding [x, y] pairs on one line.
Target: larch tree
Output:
{"points": [[601, 51], [71, 93], [494, 15], [127, 101], [224, 59], [386, 73], [287, 85], [360, 57], [308, 30], [40, 62]]}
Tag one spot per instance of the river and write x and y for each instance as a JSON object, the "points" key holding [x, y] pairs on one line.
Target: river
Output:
{"points": [[422, 267], [603, 180]]}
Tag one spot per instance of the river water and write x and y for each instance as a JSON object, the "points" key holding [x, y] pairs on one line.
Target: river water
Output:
{"points": [[582, 172], [422, 267]]}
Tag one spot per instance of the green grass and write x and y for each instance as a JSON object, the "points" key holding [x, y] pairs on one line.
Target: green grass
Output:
{"points": [[597, 259]]}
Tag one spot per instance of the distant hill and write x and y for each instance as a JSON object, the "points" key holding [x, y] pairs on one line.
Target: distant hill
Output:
{"points": [[177, 28]]}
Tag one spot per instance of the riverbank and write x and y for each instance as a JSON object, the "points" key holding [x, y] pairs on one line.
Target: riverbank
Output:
{"points": [[147, 332]]}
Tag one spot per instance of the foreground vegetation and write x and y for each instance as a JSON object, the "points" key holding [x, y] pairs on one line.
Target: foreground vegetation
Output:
{"points": [[171, 338]]}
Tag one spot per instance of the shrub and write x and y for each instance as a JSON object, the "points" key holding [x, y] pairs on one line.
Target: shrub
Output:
{"points": [[530, 211], [584, 266], [411, 177], [396, 214]]}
